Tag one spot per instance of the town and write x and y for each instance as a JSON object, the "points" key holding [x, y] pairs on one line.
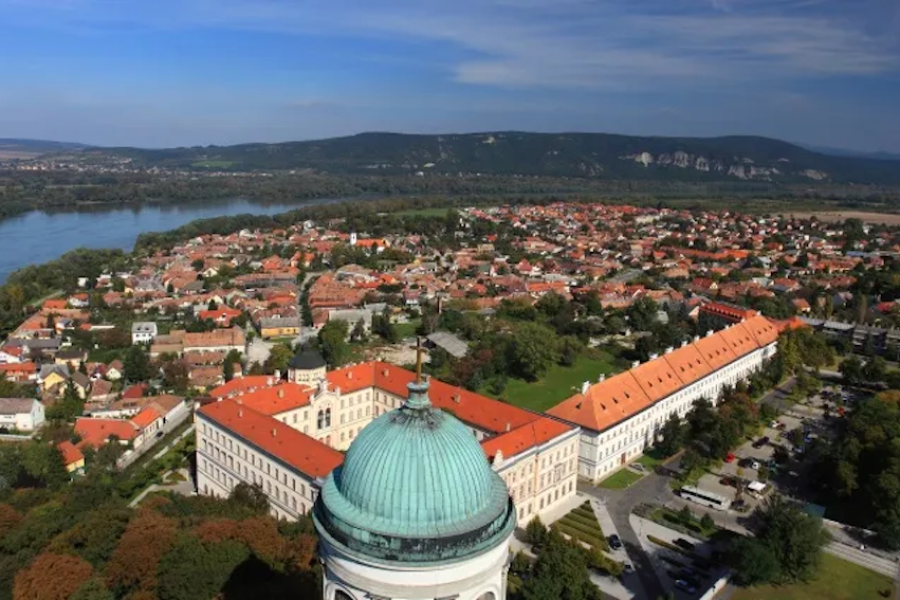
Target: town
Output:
{"points": [[649, 384]]}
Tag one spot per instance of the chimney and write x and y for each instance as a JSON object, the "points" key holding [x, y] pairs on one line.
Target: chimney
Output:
{"points": [[281, 393], [635, 364], [269, 381], [456, 398], [709, 333], [585, 387], [507, 426], [669, 350], [696, 338], [240, 413], [654, 356], [277, 374], [274, 431], [601, 378], [683, 343]]}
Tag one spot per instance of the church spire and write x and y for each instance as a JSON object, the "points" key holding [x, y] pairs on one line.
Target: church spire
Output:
{"points": [[418, 388]]}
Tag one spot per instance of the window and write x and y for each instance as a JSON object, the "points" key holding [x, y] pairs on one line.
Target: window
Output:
{"points": [[327, 417]]}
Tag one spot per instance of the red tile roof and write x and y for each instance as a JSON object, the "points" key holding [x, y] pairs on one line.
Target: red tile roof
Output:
{"points": [[273, 437], [144, 418], [528, 436], [622, 396], [278, 399], [95, 432], [70, 454]]}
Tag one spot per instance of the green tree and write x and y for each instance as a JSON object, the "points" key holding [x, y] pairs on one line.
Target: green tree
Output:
{"points": [[536, 532], [192, 570], [251, 497], [560, 571], [279, 357], [176, 375], [673, 434], [753, 562], [234, 357], [137, 364], [92, 589], [533, 350], [706, 522], [359, 331], [570, 348], [852, 371], [795, 538], [333, 343]]}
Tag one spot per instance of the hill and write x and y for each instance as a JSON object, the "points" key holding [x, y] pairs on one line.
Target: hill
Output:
{"points": [[25, 148], [590, 155]]}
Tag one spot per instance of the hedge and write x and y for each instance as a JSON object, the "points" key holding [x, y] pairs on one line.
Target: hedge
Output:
{"points": [[580, 536], [594, 531], [592, 523], [669, 545]]}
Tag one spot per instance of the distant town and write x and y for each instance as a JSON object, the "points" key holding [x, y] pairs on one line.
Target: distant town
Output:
{"points": [[642, 380]]}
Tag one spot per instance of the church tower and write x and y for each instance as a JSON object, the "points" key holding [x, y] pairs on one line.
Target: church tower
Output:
{"points": [[415, 511], [307, 367]]}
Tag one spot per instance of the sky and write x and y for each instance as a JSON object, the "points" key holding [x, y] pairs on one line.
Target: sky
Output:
{"points": [[159, 73]]}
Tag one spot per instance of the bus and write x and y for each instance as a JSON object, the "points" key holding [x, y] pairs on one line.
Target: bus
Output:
{"points": [[705, 498]]}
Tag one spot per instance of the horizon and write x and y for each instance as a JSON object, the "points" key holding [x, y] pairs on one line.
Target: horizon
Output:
{"points": [[190, 73]]}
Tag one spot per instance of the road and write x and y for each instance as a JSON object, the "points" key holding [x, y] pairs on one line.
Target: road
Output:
{"points": [[653, 488]]}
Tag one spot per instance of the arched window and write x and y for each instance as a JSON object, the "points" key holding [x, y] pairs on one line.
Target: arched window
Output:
{"points": [[327, 417], [487, 596], [320, 420], [342, 595]]}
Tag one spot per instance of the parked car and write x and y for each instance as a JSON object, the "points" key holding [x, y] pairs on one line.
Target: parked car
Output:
{"points": [[740, 506], [615, 542], [685, 586], [628, 568], [761, 442], [683, 543]]}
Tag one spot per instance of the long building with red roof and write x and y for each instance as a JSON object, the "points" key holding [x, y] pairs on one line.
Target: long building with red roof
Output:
{"points": [[286, 436], [621, 416]]}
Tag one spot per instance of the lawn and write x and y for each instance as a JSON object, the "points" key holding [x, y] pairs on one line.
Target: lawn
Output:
{"points": [[558, 383], [581, 524], [651, 459], [408, 330], [837, 580], [620, 480]]}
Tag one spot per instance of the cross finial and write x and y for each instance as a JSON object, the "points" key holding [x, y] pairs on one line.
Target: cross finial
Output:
{"points": [[418, 359]]}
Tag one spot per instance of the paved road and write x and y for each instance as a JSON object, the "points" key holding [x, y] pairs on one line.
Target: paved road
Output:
{"points": [[654, 488]]}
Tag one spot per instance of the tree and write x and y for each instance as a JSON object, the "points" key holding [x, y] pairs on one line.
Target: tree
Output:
{"points": [[92, 589], [279, 357], [44, 463], [176, 375], [752, 562], [193, 570], [560, 571], [137, 364], [706, 522], [795, 538], [570, 348], [232, 358], [535, 532], [51, 577], [533, 350], [333, 343], [134, 563], [673, 434], [359, 331], [852, 371], [250, 496]]}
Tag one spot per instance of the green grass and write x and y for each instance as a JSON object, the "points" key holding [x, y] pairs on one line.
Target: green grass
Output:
{"points": [[651, 459], [582, 524], [212, 164], [621, 479], [836, 580], [408, 330], [557, 384]]}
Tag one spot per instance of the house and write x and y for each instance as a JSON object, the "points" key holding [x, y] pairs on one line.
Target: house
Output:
{"points": [[115, 370], [52, 376], [79, 300], [222, 316], [101, 391], [82, 384], [279, 327], [10, 354], [223, 340], [143, 332], [72, 457], [21, 414], [71, 356], [19, 372], [97, 432]]}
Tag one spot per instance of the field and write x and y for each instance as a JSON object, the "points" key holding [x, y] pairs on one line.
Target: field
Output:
{"points": [[841, 216], [213, 164], [424, 212], [408, 329], [558, 383], [837, 580], [621, 479]]}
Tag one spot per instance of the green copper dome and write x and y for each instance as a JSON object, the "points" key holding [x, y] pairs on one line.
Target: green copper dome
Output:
{"points": [[416, 487]]}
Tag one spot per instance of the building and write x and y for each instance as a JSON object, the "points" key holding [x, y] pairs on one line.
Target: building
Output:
{"points": [[272, 327], [72, 457], [536, 456], [143, 332], [21, 414], [621, 416], [220, 340], [414, 511]]}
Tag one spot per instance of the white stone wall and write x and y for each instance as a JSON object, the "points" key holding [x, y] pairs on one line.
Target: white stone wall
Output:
{"points": [[603, 453], [225, 460]]}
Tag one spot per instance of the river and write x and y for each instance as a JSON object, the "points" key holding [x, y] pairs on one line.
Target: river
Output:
{"points": [[37, 237]]}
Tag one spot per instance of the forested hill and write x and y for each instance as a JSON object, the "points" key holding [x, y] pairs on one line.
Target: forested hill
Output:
{"points": [[592, 155]]}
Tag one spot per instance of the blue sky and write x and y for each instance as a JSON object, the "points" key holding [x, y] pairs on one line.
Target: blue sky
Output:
{"points": [[186, 72]]}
